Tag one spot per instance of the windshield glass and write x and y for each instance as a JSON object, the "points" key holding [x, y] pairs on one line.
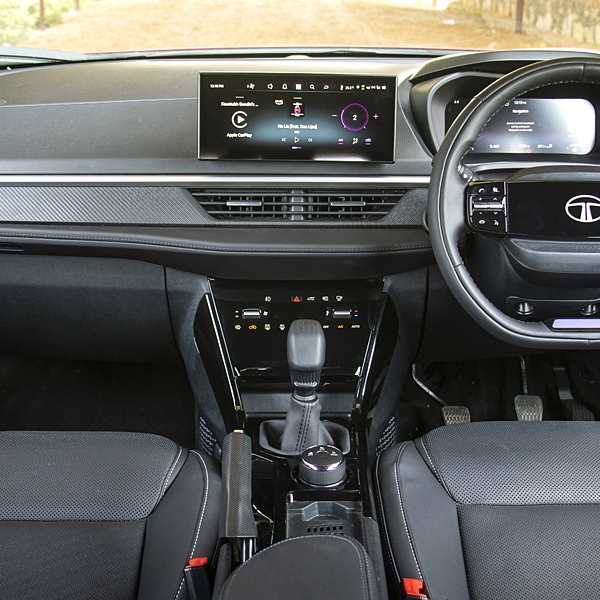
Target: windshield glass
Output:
{"points": [[114, 25]]}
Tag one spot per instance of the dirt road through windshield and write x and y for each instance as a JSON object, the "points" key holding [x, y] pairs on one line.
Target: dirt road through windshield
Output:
{"points": [[111, 25]]}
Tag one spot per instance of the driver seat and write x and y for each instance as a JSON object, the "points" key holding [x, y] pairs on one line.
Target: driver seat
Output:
{"points": [[494, 511]]}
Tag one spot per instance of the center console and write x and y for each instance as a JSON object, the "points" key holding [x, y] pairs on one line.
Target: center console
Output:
{"points": [[257, 340]]}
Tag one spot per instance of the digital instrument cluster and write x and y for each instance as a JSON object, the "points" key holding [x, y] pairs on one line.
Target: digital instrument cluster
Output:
{"points": [[535, 126]]}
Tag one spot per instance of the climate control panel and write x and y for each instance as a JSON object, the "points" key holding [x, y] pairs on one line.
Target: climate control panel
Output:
{"points": [[256, 317]]}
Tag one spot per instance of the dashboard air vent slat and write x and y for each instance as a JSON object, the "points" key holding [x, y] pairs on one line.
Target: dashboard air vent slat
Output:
{"points": [[298, 205]]}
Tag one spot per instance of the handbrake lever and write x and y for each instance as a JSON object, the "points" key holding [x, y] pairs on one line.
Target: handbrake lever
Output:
{"points": [[237, 514]]}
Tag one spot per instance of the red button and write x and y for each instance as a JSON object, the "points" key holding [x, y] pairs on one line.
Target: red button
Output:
{"points": [[197, 562], [414, 587]]}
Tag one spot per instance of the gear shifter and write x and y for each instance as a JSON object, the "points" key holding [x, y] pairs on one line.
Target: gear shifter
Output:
{"points": [[306, 355]]}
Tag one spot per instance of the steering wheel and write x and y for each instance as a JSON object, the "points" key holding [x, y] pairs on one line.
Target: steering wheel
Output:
{"points": [[453, 201]]}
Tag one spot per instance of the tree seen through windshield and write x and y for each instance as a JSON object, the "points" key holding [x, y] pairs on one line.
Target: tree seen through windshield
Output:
{"points": [[113, 25]]}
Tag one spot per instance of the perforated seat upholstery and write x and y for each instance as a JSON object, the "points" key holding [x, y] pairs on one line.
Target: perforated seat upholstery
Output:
{"points": [[495, 511], [95, 515]]}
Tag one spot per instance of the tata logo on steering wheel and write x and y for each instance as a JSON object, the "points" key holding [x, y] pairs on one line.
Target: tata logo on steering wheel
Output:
{"points": [[583, 208]]}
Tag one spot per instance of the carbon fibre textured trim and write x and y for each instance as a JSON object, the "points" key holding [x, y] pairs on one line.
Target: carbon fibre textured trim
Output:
{"points": [[237, 517], [156, 205], [206, 437], [95, 205], [388, 437]]}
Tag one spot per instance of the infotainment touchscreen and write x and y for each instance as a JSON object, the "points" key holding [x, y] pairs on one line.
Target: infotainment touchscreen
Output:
{"points": [[297, 117], [536, 126]]}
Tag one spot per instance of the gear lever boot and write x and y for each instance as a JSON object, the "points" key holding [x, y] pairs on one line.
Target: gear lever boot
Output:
{"points": [[306, 355]]}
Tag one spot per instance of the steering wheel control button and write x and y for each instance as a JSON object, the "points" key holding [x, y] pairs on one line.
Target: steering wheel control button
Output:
{"points": [[488, 189], [489, 220], [487, 206], [322, 466]]}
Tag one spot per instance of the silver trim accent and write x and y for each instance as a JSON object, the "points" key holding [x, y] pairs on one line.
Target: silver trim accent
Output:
{"points": [[425, 388], [226, 180], [223, 352], [585, 208], [524, 375], [320, 468], [518, 166]]}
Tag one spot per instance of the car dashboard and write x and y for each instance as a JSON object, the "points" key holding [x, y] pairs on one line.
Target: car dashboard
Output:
{"points": [[111, 147], [189, 209]]}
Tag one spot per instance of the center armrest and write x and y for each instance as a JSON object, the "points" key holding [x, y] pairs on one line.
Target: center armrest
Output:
{"points": [[316, 567]]}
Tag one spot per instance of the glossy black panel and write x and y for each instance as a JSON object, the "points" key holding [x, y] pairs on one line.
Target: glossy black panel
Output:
{"points": [[297, 117], [213, 350], [554, 209]]}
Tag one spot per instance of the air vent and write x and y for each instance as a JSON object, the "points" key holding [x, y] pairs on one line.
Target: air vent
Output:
{"points": [[296, 205]]}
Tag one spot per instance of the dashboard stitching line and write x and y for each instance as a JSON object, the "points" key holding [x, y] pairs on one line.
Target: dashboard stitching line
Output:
{"points": [[217, 248], [87, 102]]}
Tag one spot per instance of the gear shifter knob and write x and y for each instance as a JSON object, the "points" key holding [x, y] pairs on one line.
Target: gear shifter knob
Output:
{"points": [[306, 355]]}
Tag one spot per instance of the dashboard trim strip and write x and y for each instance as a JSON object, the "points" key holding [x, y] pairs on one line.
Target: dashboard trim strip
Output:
{"points": [[211, 247], [198, 180]]}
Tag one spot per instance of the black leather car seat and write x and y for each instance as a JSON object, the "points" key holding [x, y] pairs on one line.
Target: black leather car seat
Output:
{"points": [[495, 511], [95, 515]]}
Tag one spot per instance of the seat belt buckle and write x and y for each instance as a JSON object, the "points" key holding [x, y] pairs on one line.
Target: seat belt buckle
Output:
{"points": [[414, 589], [197, 578]]}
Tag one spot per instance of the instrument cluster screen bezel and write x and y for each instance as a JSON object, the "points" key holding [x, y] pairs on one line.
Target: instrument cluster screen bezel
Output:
{"points": [[299, 117]]}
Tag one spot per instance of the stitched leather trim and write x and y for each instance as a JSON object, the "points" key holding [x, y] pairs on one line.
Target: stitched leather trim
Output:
{"points": [[200, 519], [404, 520]]}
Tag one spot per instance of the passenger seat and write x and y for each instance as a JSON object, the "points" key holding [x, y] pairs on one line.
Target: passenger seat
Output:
{"points": [[494, 511], [102, 515]]}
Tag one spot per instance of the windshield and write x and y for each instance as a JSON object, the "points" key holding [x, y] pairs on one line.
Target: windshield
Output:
{"points": [[115, 25]]}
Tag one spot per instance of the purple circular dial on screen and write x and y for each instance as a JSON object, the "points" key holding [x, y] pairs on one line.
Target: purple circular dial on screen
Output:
{"points": [[355, 117]]}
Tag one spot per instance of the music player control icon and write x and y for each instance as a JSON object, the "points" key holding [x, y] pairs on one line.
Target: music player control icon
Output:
{"points": [[239, 119]]}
